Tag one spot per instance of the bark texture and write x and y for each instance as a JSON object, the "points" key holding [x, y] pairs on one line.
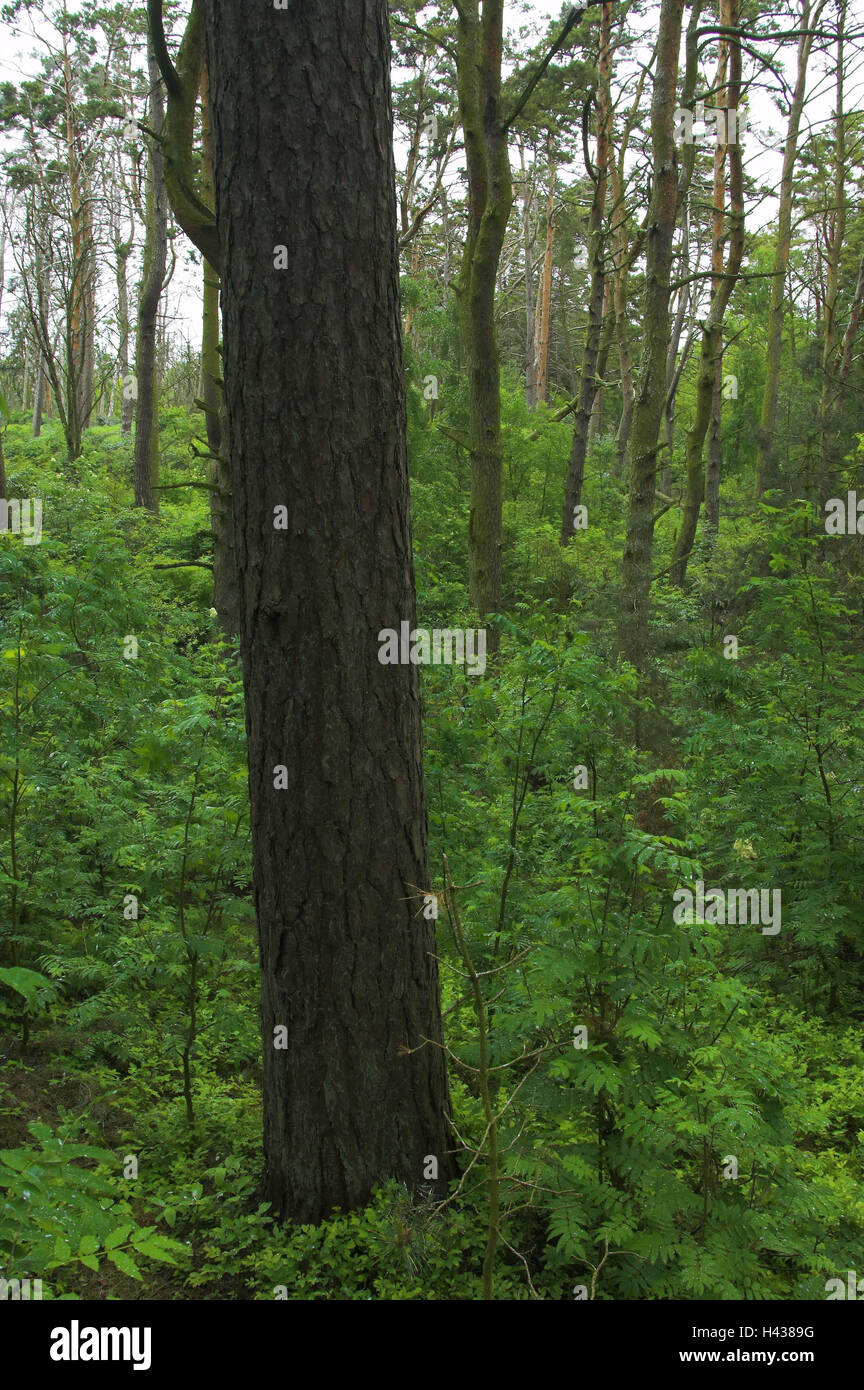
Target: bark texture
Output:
{"points": [[302, 131]]}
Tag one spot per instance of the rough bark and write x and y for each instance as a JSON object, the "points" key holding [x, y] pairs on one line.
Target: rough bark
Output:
{"points": [[302, 130]]}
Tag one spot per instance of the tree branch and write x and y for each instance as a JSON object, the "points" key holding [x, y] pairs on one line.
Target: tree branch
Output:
{"points": [[170, 76], [571, 21]]}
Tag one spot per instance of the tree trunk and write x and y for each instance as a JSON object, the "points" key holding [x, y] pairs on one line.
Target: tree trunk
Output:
{"points": [[588, 381], [38, 396], [855, 313], [836, 223], [650, 391], [530, 308], [620, 244], [152, 280], [225, 594], [302, 132], [595, 429], [490, 197], [714, 455], [767, 473], [723, 283], [86, 381], [543, 307], [122, 252]]}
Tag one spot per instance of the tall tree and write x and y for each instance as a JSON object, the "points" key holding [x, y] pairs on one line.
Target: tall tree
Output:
{"points": [[650, 391], [152, 283], [597, 252], [490, 198], [728, 100], [767, 475], [302, 136]]}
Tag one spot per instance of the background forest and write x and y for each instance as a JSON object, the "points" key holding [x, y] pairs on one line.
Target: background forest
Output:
{"points": [[632, 282]]}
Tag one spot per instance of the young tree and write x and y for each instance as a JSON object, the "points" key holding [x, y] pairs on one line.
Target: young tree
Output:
{"points": [[302, 137]]}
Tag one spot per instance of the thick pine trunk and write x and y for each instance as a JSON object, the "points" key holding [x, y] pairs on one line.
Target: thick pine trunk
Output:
{"points": [[302, 131]]}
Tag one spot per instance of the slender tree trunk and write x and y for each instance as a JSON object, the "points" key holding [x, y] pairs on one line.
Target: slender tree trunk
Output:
{"points": [[339, 834], [676, 360], [767, 474], [530, 308], [855, 312], [620, 244], [723, 283], [593, 332], [543, 309], [650, 392], [86, 381], [152, 280], [596, 426], [836, 223], [490, 197], [122, 252], [714, 454], [78, 350], [38, 396], [225, 590], [26, 401]]}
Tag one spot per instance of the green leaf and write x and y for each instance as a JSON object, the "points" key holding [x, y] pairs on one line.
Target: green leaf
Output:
{"points": [[27, 983], [117, 1237], [62, 1250], [124, 1263]]}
